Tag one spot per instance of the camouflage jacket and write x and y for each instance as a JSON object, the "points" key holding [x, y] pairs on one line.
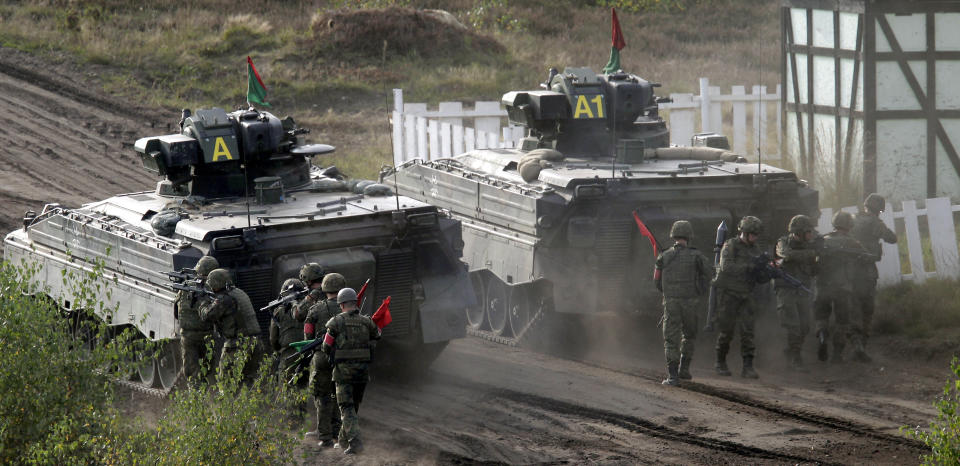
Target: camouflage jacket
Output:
{"points": [[842, 258], [682, 272], [188, 313], [351, 334], [735, 273], [799, 260], [284, 329], [232, 314], [869, 230], [319, 314]]}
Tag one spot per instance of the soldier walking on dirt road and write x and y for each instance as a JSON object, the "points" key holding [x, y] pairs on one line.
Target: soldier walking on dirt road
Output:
{"points": [[348, 342], [735, 283], [869, 230], [841, 260], [798, 256], [233, 316], [681, 274], [321, 371]]}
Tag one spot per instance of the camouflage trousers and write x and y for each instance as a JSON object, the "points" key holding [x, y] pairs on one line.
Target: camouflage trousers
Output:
{"points": [[230, 354], [864, 302], [679, 327], [735, 311], [349, 396], [795, 309], [324, 396], [846, 322], [194, 351]]}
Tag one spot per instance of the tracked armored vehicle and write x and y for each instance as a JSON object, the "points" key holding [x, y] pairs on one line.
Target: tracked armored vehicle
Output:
{"points": [[551, 227], [241, 187]]}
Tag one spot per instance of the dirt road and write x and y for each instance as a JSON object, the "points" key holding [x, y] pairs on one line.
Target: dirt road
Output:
{"points": [[62, 140], [487, 403]]}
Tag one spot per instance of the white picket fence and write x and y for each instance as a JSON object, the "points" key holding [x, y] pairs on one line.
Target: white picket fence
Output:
{"points": [[940, 234], [452, 128]]}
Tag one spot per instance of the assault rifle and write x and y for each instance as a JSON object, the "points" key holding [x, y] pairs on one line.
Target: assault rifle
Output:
{"points": [[193, 288], [182, 275], [764, 270], [187, 280], [717, 247], [285, 299], [302, 357], [822, 246]]}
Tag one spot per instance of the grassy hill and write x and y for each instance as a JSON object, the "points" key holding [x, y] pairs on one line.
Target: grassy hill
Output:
{"points": [[332, 64]]}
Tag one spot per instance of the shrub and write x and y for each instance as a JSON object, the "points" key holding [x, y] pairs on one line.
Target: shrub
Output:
{"points": [[918, 309], [943, 438]]}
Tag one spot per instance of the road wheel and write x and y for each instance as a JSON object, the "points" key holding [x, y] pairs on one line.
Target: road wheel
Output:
{"points": [[168, 363], [476, 314], [520, 309], [497, 301]]}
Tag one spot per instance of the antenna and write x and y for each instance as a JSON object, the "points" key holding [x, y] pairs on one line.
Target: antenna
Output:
{"points": [[760, 111], [386, 103]]}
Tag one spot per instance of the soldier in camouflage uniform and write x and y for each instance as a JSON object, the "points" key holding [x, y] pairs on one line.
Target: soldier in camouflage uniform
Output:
{"points": [[195, 334], [840, 258], [798, 257], [735, 283], [232, 313], [681, 274], [348, 341], [321, 377], [284, 328], [869, 230]]}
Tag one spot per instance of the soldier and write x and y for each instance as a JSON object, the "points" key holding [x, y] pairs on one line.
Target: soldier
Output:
{"points": [[868, 229], [798, 256], [840, 258], [681, 274], [195, 334], [735, 283], [312, 277], [348, 341], [321, 377], [233, 315], [284, 328]]}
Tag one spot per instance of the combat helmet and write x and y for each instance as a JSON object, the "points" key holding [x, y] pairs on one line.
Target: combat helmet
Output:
{"points": [[291, 285], [875, 203], [310, 273], [346, 295], [332, 283], [750, 224], [800, 224], [681, 229], [218, 279], [205, 265], [843, 220]]}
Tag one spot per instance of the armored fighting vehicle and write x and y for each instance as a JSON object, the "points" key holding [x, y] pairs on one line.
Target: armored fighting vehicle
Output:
{"points": [[241, 187], [555, 224]]}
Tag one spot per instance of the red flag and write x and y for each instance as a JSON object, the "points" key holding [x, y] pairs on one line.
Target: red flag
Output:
{"points": [[645, 232], [617, 34], [362, 290], [382, 317]]}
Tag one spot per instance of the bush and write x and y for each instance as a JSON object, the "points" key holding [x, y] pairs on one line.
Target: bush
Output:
{"points": [[917, 310], [57, 395], [943, 438]]}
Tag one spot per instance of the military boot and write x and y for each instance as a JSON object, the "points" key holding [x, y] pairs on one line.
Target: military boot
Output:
{"points": [[672, 376], [721, 366], [796, 361], [684, 372], [355, 446], [748, 372], [822, 345]]}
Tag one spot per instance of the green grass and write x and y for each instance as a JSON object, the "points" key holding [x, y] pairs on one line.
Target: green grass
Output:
{"points": [[918, 310]]}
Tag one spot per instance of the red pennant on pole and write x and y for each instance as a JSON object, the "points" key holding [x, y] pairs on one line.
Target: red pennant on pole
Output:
{"points": [[382, 317], [617, 34], [363, 289], [646, 232]]}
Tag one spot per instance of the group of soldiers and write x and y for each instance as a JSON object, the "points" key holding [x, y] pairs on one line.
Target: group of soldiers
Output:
{"points": [[328, 310], [816, 278]]}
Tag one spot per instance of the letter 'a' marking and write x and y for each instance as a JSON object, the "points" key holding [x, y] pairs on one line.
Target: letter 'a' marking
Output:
{"points": [[220, 150]]}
